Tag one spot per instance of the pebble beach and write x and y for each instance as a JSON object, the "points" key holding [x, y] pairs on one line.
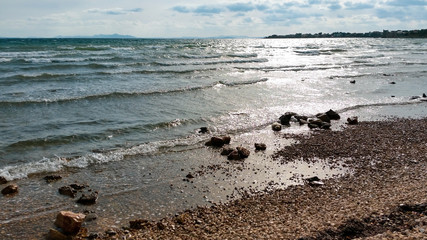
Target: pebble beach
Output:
{"points": [[384, 196]]}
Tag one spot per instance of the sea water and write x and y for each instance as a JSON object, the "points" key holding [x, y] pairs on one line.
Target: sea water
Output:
{"points": [[123, 115]]}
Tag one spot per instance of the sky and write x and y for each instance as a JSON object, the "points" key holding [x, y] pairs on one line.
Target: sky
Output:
{"points": [[206, 18]]}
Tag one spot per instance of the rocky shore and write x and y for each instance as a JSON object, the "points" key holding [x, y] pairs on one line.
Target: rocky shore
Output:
{"points": [[384, 197]]}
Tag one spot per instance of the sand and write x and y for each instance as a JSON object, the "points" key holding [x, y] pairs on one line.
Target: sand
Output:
{"points": [[383, 197]]}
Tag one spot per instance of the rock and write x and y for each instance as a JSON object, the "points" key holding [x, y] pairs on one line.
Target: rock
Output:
{"points": [[302, 122], [286, 118], [414, 97], [219, 141], [260, 146], [189, 175], [313, 126], [352, 120], [243, 152], [139, 224], [77, 186], [424, 95], [333, 115], [326, 126], [93, 236], [420, 208], [300, 117], [323, 117], [353, 81], [234, 155], [111, 232], [57, 235], [315, 121], [392, 82], [203, 130], [312, 179], [226, 151], [69, 222], [10, 189], [161, 226], [67, 191], [91, 217], [52, 178], [3, 180], [88, 198], [276, 127]]}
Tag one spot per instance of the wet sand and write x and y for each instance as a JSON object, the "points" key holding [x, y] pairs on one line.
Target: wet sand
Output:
{"points": [[384, 196]]}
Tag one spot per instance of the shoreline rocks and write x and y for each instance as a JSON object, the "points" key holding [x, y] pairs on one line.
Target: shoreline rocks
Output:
{"points": [[353, 120], [3, 180], [10, 189], [218, 141], [69, 222], [260, 146]]}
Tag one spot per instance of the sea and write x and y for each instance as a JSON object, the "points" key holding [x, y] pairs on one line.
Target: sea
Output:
{"points": [[123, 116]]}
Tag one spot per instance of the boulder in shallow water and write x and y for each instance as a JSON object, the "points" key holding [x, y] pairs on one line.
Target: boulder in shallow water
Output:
{"points": [[353, 81], [218, 141], [333, 115], [286, 118], [227, 150], [3, 180], [424, 95], [69, 222], [243, 152], [324, 117], [88, 198], [276, 127], [10, 189], [52, 178], [203, 130], [260, 146], [353, 120], [326, 126], [67, 191]]}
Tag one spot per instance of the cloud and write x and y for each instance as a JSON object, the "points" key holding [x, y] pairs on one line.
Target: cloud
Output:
{"points": [[206, 9], [241, 7], [114, 11], [334, 6], [405, 3], [358, 6], [181, 9]]}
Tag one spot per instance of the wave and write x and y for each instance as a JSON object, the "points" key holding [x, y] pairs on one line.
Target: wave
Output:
{"points": [[133, 94], [361, 106], [236, 61]]}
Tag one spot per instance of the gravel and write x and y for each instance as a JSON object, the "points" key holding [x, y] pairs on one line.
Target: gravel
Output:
{"points": [[383, 197]]}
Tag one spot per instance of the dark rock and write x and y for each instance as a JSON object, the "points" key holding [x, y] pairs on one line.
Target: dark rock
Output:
{"points": [[203, 130], [189, 175], [312, 179], [333, 115], [302, 122], [324, 117], [243, 152], [161, 226], [353, 120], [67, 191], [10, 189], [276, 127], [77, 186], [313, 126], [326, 126], [52, 178], [286, 118], [299, 117], [226, 139], [414, 97], [392, 82], [93, 236], [315, 121], [69, 222], [424, 95], [234, 155], [139, 224], [91, 217], [420, 208], [352, 228], [226, 151], [111, 232], [56, 235], [353, 81], [219, 141], [88, 198], [260, 146], [3, 180]]}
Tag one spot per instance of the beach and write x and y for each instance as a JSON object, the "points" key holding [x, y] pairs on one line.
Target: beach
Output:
{"points": [[384, 197]]}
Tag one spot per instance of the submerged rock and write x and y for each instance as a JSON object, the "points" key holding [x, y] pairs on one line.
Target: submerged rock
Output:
{"points": [[52, 178], [67, 191], [323, 117], [203, 130], [227, 150], [10, 189], [286, 118], [218, 141], [260, 146], [353, 81], [88, 198], [69, 222], [326, 126]]}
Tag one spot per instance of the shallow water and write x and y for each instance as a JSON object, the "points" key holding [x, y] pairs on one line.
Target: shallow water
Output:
{"points": [[122, 116]]}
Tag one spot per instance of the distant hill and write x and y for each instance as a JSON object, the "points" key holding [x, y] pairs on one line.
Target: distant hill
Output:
{"points": [[422, 33]]}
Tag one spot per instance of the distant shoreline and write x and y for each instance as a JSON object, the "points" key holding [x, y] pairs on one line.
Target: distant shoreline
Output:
{"points": [[422, 33]]}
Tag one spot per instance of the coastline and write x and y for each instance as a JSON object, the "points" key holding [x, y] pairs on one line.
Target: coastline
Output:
{"points": [[389, 164]]}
